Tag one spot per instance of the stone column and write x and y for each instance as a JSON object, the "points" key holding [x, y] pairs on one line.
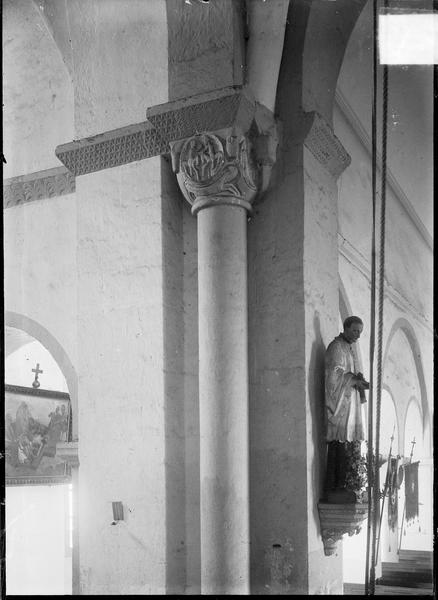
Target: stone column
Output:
{"points": [[216, 176]]}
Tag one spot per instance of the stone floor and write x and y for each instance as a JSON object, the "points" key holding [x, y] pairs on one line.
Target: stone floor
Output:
{"points": [[358, 589], [411, 576]]}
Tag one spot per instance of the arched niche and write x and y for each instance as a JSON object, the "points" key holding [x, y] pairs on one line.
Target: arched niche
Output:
{"points": [[33, 330], [402, 327]]}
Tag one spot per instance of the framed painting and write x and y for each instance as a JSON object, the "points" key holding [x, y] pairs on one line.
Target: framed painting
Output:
{"points": [[35, 421]]}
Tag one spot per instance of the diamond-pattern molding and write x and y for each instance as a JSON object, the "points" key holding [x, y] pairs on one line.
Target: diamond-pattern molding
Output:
{"points": [[166, 123], [111, 149], [178, 120], [326, 147]]}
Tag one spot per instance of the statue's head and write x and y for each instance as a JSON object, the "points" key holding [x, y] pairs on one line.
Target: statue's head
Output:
{"points": [[353, 327]]}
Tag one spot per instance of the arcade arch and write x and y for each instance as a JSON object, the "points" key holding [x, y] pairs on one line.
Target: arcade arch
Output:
{"points": [[39, 515], [27, 330], [404, 373]]}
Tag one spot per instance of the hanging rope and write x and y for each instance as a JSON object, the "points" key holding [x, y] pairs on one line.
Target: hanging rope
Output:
{"points": [[373, 458], [373, 302], [381, 288]]}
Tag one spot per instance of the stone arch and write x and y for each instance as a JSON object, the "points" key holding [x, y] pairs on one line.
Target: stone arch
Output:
{"points": [[405, 326], [40, 333], [321, 31]]}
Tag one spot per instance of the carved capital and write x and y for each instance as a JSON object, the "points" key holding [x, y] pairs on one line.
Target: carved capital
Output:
{"points": [[338, 519], [242, 131], [216, 168]]}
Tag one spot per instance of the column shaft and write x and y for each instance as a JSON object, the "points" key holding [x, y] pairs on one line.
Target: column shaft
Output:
{"points": [[223, 399]]}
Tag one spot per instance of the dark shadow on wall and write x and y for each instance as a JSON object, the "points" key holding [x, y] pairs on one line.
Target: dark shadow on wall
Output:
{"points": [[181, 394], [277, 411], [315, 386], [173, 369]]}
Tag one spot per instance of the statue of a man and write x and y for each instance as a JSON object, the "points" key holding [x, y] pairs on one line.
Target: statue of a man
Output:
{"points": [[344, 393]]}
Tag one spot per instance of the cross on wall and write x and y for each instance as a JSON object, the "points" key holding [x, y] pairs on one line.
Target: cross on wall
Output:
{"points": [[37, 370]]}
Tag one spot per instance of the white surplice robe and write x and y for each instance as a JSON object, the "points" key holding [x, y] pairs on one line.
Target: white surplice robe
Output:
{"points": [[343, 406]]}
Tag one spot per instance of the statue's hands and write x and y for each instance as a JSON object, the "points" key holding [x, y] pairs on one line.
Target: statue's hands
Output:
{"points": [[360, 383], [363, 385]]}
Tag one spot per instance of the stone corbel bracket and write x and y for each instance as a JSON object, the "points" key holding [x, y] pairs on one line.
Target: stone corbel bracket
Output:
{"points": [[222, 110], [338, 519]]}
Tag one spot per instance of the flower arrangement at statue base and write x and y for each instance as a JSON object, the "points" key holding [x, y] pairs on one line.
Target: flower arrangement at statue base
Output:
{"points": [[345, 508], [356, 479]]}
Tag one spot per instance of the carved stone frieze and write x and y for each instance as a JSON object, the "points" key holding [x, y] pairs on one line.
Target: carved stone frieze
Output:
{"points": [[325, 146], [37, 186], [173, 121], [213, 169], [202, 113], [339, 519], [165, 123], [112, 149]]}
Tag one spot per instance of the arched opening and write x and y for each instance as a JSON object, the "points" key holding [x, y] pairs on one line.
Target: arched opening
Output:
{"points": [[39, 490], [402, 326], [403, 373], [27, 330]]}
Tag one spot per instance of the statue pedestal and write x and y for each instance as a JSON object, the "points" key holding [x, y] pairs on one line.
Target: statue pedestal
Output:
{"points": [[338, 519]]}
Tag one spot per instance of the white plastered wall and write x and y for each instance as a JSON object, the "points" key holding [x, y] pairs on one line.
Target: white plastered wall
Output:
{"points": [[87, 269]]}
